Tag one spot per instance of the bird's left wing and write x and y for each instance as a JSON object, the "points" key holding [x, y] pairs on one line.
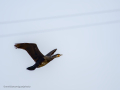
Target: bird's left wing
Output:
{"points": [[32, 50]]}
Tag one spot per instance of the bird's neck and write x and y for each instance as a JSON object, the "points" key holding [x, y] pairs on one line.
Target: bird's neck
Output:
{"points": [[54, 56], [47, 57]]}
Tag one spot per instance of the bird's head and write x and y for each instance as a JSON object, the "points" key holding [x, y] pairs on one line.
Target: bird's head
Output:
{"points": [[57, 55]]}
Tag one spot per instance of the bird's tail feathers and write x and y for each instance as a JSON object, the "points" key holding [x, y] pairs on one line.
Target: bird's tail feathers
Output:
{"points": [[38, 62], [31, 68]]}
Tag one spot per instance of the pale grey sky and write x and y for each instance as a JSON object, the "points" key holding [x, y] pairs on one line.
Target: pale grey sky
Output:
{"points": [[90, 60]]}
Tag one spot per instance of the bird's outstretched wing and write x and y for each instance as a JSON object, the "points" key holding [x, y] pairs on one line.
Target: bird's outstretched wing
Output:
{"points": [[51, 52], [32, 50]]}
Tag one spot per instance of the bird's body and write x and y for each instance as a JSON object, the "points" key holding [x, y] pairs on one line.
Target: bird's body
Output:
{"points": [[44, 63], [36, 55]]}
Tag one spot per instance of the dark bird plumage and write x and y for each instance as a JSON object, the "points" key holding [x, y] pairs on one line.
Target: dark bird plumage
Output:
{"points": [[37, 56]]}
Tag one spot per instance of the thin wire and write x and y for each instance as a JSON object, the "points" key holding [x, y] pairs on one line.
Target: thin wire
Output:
{"points": [[57, 29], [63, 16]]}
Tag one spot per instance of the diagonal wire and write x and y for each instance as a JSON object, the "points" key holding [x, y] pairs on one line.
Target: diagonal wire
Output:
{"points": [[63, 16], [63, 28]]}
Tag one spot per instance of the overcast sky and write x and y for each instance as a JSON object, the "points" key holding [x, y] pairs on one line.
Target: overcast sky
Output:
{"points": [[87, 33]]}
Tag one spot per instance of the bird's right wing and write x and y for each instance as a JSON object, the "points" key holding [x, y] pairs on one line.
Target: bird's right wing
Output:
{"points": [[51, 52]]}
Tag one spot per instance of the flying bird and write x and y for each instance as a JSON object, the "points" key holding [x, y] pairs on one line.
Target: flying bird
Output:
{"points": [[36, 55]]}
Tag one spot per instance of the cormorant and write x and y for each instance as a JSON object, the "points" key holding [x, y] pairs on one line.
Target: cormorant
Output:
{"points": [[37, 56]]}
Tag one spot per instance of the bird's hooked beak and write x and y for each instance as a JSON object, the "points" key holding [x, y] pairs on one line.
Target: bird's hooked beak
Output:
{"points": [[59, 55]]}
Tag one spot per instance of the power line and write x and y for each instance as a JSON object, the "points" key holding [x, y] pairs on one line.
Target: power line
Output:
{"points": [[63, 16], [63, 28]]}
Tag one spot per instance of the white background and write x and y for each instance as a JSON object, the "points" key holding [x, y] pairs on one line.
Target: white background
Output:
{"points": [[89, 42]]}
